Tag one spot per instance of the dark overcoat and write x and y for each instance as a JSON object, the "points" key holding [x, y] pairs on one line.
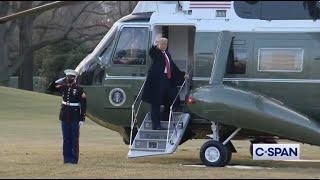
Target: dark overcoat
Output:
{"points": [[151, 91]]}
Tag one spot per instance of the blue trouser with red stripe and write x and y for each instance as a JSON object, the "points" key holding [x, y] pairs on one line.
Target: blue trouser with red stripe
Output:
{"points": [[70, 133]]}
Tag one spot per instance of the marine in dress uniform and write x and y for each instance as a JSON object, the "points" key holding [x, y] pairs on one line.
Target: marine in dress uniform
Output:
{"points": [[72, 114], [161, 83]]}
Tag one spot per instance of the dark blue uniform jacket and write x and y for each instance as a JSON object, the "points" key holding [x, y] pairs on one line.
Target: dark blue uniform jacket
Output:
{"points": [[71, 94]]}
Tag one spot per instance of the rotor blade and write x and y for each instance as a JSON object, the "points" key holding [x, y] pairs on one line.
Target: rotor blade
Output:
{"points": [[34, 10]]}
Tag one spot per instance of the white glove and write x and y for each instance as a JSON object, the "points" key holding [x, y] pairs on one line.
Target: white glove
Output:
{"points": [[81, 123], [60, 81]]}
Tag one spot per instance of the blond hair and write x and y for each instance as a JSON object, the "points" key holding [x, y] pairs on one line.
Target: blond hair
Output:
{"points": [[162, 39]]}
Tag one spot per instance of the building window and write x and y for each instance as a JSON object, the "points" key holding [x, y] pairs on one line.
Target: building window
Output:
{"points": [[280, 59], [132, 46]]}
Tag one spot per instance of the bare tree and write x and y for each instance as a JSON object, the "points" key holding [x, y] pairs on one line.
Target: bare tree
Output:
{"points": [[85, 22], [5, 32], [25, 42]]}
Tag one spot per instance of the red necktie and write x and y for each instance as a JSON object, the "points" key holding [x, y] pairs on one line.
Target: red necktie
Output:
{"points": [[167, 66]]}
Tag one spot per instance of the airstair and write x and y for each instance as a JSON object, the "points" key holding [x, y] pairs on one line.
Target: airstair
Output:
{"points": [[148, 142]]}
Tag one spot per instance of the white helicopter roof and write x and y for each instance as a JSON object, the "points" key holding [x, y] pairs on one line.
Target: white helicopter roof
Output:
{"points": [[217, 16]]}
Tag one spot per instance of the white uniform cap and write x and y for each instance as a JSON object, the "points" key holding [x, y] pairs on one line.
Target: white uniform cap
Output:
{"points": [[70, 72]]}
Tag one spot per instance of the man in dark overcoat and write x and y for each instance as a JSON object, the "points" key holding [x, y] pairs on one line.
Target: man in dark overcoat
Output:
{"points": [[161, 83]]}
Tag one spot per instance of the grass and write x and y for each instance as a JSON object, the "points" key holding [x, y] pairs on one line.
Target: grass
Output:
{"points": [[31, 141]]}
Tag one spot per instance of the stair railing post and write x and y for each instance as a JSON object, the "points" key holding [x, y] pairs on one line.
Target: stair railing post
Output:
{"points": [[171, 110], [169, 124], [132, 125], [134, 114]]}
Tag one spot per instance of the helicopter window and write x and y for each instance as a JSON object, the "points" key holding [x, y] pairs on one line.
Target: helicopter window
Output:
{"points": [[237, 61], [280, 59], [203, 53], [106, 54], [278, 10], [132, 46], [92, 69]]}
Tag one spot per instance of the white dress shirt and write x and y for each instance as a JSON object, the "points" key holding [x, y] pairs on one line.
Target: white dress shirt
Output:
{"points": [[167, 59]]}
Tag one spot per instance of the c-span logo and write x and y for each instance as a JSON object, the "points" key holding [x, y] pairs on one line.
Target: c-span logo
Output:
{"points": [[276, 151]]}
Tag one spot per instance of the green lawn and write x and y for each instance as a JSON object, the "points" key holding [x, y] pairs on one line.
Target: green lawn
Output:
{"points": [[30, 147]]}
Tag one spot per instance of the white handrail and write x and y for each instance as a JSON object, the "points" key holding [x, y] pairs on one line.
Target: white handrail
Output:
{"points": [[134, 114], [171, 108], [175, 130], [216, 53]]}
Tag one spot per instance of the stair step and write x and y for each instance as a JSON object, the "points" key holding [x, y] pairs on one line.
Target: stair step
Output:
{"points": [[175, 118], [174, 115], [163, 124], [154, 134], [150, 144], [150, 139], [146, 149], [151, 130]]}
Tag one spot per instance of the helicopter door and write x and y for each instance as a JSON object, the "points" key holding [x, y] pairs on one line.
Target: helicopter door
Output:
{"points": [[181, 47], [128, 66]]}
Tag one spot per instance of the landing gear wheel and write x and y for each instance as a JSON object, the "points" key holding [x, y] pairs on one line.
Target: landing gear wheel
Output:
{"points": [[215, 154]]}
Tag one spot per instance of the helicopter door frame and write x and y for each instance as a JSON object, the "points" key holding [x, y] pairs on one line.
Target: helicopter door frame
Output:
{"points": [[153, 36], [142, 68], [190, 60], [125, 80]]}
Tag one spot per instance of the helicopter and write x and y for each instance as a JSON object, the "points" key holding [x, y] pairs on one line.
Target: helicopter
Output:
{"points": [[253, 68]]}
